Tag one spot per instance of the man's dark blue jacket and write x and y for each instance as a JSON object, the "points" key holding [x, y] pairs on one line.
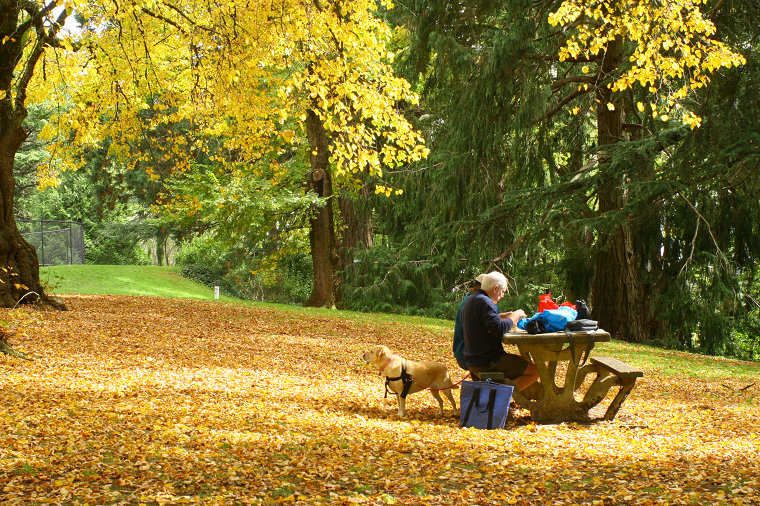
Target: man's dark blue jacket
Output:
{"points": [[483, 330]]}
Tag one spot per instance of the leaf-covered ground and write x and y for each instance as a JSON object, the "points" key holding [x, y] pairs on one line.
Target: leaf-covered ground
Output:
{"points": [[163, 401]]}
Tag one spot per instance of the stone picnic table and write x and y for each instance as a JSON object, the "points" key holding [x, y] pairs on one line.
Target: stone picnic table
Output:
{"points": [[561, 399]]}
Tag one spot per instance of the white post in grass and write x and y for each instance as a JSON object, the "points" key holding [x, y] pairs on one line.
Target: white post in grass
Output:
{"points": [[216, 290]]}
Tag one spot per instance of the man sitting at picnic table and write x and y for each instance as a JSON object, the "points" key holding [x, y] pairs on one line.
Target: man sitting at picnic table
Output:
{"points": [[484, 327]]}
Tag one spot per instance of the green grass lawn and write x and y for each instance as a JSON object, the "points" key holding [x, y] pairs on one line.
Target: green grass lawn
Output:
{"points": [[167, 282], [122, 280]]}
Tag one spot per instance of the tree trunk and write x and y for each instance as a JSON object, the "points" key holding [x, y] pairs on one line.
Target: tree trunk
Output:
{"points": [[161, 239], [322, 231], [356, 227], [616, 294], [19, 266]]}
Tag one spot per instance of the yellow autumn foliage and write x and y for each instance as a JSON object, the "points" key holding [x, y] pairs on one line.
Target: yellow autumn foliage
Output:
{"points": [[244, 73], [673, 46]]}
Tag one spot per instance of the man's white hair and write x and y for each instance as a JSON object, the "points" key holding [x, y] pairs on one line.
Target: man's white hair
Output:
{"points": [[492, 279]]}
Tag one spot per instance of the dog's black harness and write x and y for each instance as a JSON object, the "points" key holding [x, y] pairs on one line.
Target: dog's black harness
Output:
{"points": [[405, 377]]}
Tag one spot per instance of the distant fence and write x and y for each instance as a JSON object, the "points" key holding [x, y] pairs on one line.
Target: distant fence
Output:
{"points": [[57, 242]]}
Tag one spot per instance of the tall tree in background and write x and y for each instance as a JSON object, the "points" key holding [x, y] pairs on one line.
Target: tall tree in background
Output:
{"points": [[577, 118], [711, 250], [263, 79], [666, 49]]}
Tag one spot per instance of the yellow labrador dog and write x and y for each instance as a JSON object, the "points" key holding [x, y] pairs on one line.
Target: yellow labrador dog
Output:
{"points": [[404, 377]]}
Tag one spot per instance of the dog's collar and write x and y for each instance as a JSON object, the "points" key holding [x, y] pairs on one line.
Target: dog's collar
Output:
{"points": [[386, 364]]}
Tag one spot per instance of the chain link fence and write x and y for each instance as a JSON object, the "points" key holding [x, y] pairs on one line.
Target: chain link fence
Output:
{"points": [[57, 242]]}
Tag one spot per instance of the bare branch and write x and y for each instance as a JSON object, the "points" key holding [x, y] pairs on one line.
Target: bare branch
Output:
{"points": [[569, 98], [574, 79], [164, 19], [577, 59], [6, 348], [693, 242], [709, 230], [520, 239], [179, 11], [36, 15], [44, 39]]}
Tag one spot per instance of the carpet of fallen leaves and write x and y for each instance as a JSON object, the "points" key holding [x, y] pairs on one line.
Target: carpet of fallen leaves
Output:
{"points": [[137, 400]]}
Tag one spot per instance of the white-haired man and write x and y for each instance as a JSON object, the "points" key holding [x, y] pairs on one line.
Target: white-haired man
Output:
{"points": [[484, 327]]}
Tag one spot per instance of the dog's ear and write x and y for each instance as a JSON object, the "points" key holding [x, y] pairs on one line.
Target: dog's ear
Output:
{"points": [[380, 352]]}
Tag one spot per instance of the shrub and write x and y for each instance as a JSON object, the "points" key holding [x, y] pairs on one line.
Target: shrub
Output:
{"points": [[114, 244], [285, 279]]}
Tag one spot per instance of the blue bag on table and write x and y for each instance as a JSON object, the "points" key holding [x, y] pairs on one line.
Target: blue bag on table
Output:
{"points": [[484, 404], [554, 320]]}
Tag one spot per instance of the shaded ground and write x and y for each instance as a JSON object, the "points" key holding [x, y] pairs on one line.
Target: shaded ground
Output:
{"points": [[162, 401]]}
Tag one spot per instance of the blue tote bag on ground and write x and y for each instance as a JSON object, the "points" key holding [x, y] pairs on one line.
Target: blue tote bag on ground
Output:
{"points": [[484, 404]]}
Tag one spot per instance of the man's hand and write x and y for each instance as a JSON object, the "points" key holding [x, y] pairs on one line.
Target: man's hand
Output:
{"points": [[515, 316]]}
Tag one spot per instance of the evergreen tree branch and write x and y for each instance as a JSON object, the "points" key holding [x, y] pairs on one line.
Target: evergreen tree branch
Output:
{"points": [[574, 79], [715, 9], [700, 217], [569, 98], [511, 248]]}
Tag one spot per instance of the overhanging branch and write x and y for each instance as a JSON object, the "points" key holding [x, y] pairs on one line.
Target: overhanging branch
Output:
{"points": [[569, 98], [44, 39], [574, 79]]}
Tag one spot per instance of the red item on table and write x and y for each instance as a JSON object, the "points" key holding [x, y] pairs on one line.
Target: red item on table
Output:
{"points": [[545, 302]]}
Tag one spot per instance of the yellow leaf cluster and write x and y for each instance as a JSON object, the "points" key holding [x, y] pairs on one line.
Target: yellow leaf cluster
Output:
{"points": [[47, 177], [245, 74], [387, 190], [673, 49]]}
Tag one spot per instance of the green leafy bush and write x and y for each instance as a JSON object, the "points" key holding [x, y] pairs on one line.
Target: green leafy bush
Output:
{"points": [[114, 244], [243, 274], [204, 274]]}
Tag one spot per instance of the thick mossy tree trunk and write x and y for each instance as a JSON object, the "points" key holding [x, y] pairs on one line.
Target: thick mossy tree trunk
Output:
{"points": [[616, 294], [616, 291], [322, 239], [19, 267]]}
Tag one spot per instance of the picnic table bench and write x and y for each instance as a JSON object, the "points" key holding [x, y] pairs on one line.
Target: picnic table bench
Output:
{"points": [[612, 372], [549, 402]]}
